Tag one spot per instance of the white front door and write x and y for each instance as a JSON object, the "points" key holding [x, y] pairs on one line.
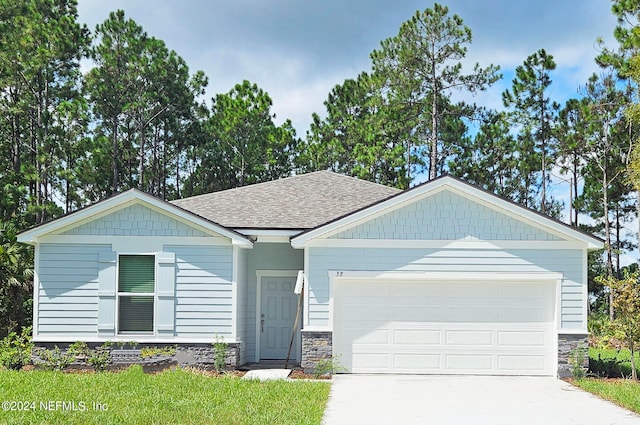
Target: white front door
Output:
{"points": [[278, 306]]}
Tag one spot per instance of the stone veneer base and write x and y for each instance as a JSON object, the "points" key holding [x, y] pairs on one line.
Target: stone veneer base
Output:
{"points": [[315, 347], [199, 356], [566, 344]]}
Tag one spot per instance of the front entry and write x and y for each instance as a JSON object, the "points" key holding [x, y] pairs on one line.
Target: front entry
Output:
{"points": [[278, 306]]}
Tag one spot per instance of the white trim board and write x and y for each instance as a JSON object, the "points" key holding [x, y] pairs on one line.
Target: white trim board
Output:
{"points": [[36, 290], [276, 233], [469, 276], [439, 244], [135, 243], [235, 281]]}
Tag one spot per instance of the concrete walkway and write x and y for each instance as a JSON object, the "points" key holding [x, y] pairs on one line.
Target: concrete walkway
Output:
{"points": [[267, 374], [411, 399]]}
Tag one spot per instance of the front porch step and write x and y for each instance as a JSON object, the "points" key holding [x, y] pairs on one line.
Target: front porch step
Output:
{"points": [[267, 374], [269, 364]]}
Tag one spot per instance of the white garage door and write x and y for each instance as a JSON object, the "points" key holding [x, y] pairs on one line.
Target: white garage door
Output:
{"points": [[484, 327]]}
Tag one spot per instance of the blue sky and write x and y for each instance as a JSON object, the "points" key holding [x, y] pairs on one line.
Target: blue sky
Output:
{"points": [[298, 50]]}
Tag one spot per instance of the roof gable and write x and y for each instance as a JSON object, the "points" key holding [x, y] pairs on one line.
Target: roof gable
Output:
{"points": [[299, 202], [461, 212], [132, 213], [136, 219], [446, 215]]}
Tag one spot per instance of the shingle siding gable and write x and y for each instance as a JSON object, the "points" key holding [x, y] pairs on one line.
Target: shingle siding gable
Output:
{"points": [[135, 220], [446, 216]]}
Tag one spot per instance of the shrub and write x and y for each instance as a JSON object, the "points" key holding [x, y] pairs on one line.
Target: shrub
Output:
{"points": [[15, 350], [56, 359], [328, 366], [219, 354], [576, 360], [100, 358], [79, 349], [157, 351]]}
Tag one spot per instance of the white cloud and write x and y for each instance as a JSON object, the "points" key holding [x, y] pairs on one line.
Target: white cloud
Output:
{"points": [[308, 46], [298, 51]]}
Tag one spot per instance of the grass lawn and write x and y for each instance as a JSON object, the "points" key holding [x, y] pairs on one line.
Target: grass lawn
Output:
{"points": [[624, 393], [623, 354], [611, 363], [173, 396]]}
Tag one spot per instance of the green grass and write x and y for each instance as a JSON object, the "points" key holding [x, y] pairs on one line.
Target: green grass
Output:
{"points": [[621, 392], [176, 397], [624, 354], [608, 362]]}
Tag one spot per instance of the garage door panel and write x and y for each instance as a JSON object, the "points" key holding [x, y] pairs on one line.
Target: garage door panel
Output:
{"points": [[377, 336], [369, 300], [445, 327], [427, 313], [416, 337], [524, 289], [365, 312], [469, 337], [416, 362], [523, 299], [413, 299], [468, 362], [375, 362], [408, 290], [523, 338], [461, 291], [472, 314], [524, 314], [519, 363], [365, 289], [467, 301]]}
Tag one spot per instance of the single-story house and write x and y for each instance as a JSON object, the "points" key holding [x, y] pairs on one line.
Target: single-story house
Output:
{"points": [[443, 278]]}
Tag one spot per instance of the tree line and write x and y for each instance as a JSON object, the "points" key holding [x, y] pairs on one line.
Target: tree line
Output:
{"points": [[138, 119]]}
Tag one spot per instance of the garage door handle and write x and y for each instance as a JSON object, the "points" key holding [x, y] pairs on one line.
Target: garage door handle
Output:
{"points": [[262, 325]]}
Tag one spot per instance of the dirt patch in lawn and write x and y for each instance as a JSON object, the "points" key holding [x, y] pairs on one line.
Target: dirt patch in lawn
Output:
{"points": [[75, 369], [299, 374]]}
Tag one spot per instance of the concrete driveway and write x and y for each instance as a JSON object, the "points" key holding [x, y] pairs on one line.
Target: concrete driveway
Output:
{"points": [[467, 400]]}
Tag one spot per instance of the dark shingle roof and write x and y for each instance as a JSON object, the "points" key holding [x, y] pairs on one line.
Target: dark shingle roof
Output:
{"points": [[299, 202]]}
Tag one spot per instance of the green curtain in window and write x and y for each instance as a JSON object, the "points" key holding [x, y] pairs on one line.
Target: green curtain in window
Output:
{"points": [[136, 273], [136, 314]]}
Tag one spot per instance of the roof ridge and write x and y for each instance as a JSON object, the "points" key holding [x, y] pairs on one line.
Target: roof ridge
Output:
{"points": [[283, 179], [300, 201]]}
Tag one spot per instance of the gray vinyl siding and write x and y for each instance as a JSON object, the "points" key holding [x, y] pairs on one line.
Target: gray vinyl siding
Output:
{"points": [[204, 306], [445, 216], [265, 256], [135, 220], [68, 290], [567, 262]]}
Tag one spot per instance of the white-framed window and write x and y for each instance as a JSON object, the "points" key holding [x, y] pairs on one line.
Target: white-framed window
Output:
{"points": [[136, 294]]}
